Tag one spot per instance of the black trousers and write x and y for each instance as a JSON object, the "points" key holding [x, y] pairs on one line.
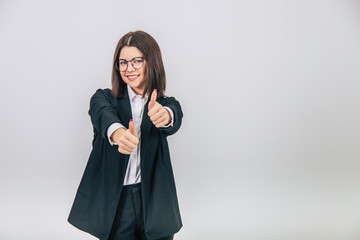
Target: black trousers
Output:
{"points": [[129, 219]]}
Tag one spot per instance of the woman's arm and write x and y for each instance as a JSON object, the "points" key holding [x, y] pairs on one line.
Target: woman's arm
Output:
{"points": [[102, 111], [174, 105]]}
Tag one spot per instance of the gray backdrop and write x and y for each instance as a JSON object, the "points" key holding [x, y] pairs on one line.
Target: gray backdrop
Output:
{"points": [[270, 143]]}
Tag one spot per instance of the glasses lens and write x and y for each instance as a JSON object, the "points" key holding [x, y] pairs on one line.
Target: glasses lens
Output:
{"points": [[123, 65], [137, 63]]}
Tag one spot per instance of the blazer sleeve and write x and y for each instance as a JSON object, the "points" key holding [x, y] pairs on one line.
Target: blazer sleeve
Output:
{"points": [[102, 112], [174, 105]]}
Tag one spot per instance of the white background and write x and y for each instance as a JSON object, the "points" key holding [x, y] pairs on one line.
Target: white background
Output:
{"points": [[270, 143]]}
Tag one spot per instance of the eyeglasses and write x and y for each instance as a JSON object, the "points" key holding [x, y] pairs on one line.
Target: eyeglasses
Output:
{"points": [[136, 62]]}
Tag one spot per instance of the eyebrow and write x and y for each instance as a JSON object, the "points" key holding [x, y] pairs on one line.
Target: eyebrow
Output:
{"points": [[130, 59]]}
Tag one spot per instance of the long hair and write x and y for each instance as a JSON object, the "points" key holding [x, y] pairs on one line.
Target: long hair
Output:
{"points": [[154, 68]]}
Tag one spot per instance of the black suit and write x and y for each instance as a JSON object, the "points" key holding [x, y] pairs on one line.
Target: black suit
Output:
{"points": [[99, 191]]}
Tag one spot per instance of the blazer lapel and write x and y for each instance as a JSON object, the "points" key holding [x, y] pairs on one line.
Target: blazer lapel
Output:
{"points": [[146, 126], [124, 109], [146, 121]]}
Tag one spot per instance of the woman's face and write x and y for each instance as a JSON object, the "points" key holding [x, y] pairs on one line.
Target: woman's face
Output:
{"points": [[135, 78]]}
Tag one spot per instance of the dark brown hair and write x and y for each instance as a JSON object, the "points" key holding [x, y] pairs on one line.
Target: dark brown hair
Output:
{"points": [[154, 71]]}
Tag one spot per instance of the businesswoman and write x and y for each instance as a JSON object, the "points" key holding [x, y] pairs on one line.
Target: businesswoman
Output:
{"points": [[127, 191]]}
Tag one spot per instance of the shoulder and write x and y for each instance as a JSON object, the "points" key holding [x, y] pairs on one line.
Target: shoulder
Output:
{"points": [[104, 91], [103, 95]]}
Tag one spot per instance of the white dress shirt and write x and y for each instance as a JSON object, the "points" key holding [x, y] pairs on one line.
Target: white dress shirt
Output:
{"points": [[137, 103]]}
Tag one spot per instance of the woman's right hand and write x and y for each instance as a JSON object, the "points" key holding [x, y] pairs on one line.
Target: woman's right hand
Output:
{"points": [[126, 139]]}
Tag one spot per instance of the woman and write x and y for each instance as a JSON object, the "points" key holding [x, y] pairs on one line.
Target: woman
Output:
{"points": [[128, 189]]}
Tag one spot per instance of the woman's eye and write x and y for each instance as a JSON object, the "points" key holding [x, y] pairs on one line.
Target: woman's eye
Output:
{"points": [[138, 61], [123, 63]]}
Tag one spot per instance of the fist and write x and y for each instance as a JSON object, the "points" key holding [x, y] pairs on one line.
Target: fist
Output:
{"points": [[126, 139], [159, 115]]}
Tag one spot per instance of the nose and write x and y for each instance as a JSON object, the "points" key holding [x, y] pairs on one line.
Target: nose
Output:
{"points": [[130, 67]]}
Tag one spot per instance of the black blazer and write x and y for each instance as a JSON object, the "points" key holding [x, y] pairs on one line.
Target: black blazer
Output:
{"points": [[97, 197]]}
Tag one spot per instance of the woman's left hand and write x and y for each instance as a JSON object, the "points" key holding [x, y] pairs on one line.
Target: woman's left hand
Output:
{"points": [[159, 115]]}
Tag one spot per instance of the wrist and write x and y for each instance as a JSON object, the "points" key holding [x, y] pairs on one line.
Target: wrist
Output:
{"points": [[169, 117], [118, 134]]}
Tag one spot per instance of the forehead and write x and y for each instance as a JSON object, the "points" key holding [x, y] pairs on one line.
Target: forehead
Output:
{"points": [[129, 52]]}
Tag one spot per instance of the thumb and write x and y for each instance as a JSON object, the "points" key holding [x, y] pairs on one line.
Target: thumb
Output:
{"points": [[132, 127], [153, 99]]}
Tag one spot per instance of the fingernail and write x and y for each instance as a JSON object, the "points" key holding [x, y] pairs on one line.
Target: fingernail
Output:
{"points": [[155, 90], [130, 120]]}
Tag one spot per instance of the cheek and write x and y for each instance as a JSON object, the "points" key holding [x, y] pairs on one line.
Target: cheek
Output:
{"points": [[122, 75], [143, 72], [143, 76]]}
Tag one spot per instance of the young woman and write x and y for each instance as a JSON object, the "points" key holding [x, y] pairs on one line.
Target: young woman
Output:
{"points": [[127, 190]]}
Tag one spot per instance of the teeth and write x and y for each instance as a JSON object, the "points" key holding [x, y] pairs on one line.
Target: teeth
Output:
{"points": [[132, 76]]}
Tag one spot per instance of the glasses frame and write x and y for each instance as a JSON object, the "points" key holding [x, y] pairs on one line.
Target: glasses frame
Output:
{"points": [[127, 63]]}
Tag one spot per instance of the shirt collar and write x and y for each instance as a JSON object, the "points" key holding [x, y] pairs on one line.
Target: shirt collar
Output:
{"points": [[133, 95]]}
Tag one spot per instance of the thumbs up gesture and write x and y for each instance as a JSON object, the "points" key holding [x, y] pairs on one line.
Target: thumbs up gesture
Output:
{"points": [[159, 115], [126, 139]]}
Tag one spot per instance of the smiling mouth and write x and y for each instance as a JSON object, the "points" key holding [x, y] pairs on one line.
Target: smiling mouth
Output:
{"points": [[132, 77]]}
